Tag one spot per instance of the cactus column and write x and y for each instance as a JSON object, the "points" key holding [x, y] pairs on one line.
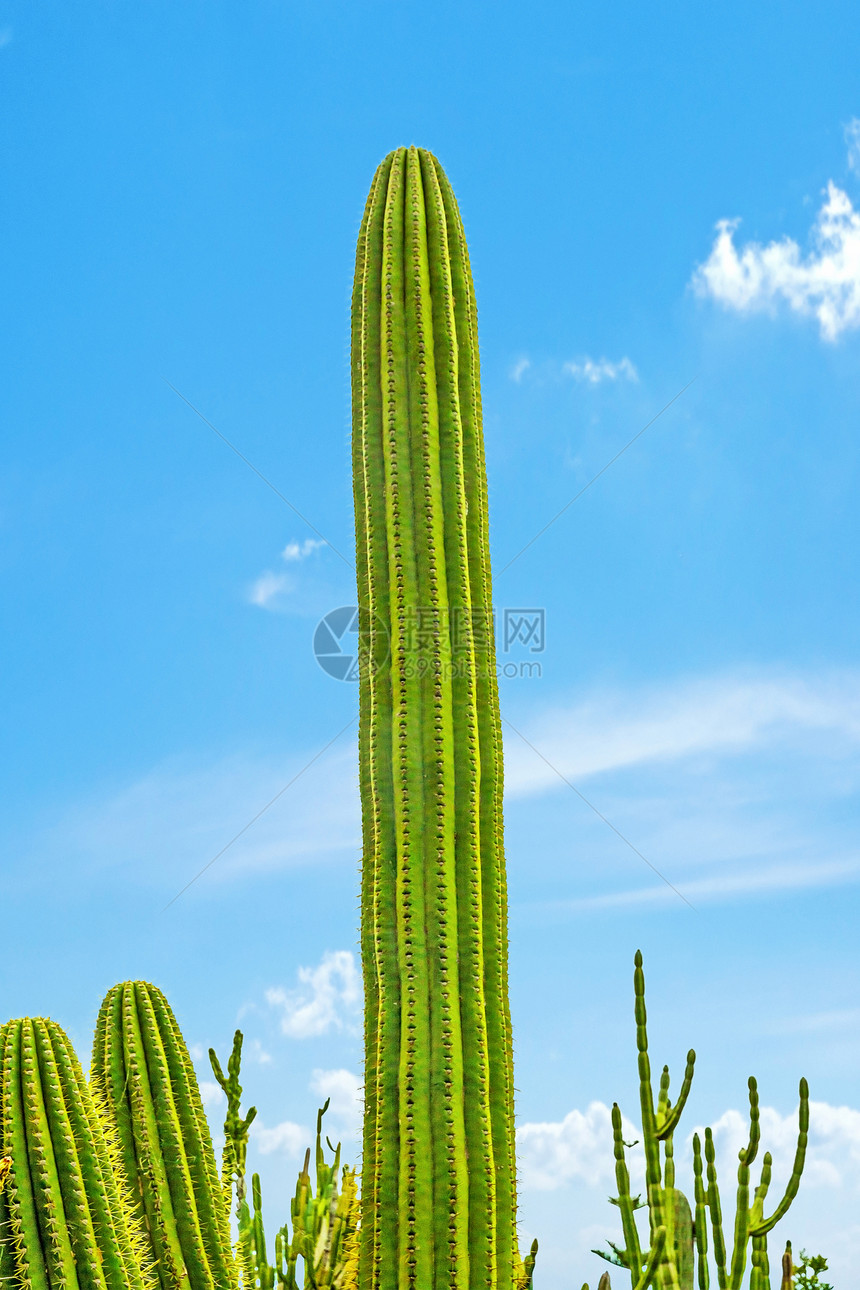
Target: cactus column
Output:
{"points": [[438, 1174]]}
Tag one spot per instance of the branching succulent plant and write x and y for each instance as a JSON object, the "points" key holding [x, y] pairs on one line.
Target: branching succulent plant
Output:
{"points": [[683, 1240], [324, 1220], [438, 1164]]}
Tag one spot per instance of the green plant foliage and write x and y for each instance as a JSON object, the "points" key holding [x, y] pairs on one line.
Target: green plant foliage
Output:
{"points": [[325, 1220], [806, 1275], [683, 1259], [144, 1080], [438, 1163], [66, 1219]]}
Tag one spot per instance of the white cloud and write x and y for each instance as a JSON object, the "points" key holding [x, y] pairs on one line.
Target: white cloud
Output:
{"points": [[713, 715], [595, 371], [301, 550], [852, 139], [833, 1151], [268, 588], [825, 284], [257, 1053], [554, 1153], [268, 591], [519, 368], [211, 1094], [344, 1089], [328, 998], [286, 1138]]}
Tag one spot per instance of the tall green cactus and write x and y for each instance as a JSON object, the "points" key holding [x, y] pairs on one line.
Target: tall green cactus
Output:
{"points": [[67, 1221], [438, 1170], [145, 1082]]}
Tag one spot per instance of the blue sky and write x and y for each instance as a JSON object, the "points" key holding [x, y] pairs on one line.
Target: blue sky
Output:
{"points": [[653, 196]]}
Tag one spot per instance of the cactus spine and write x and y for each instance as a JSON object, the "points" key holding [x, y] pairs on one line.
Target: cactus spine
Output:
{"points": [[438, 1170], [67, 1221], [145, 1082]]}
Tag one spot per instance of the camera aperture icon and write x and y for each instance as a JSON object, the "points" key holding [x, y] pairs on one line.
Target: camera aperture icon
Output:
{"points": [[342, 650]]}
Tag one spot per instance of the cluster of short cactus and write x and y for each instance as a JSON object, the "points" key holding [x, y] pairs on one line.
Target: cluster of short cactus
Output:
{"points": [[112, 1184], [678, 1253]]}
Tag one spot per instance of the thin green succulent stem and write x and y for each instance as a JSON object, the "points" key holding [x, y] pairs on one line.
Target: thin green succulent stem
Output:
{"points": [[653, 1171], [760, 1226], [236, 1126], [655, 1261], [757, 1207], [632, 1248], [669, 1166], [760, 1265], [668, 1122], [751, 1150], [438, 1061], [715, 1208], [787, 1282], [742, 1212], [701, 1220]]}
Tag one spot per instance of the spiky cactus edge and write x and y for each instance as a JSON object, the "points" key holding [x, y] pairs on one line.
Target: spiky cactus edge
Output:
{"points": [[66, 1219], [438, 1166], [144, 1079]]}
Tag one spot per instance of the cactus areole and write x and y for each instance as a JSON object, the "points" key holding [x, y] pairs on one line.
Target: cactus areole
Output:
{"points": [[438, 1171]]}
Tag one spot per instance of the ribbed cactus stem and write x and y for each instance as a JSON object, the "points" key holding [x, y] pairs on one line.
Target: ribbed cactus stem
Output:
{"points": [[760, 1226], [144, 1078], [715, 1208], [438, 1170], [701, 1220], [68, 1221], [632, 1247]]}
